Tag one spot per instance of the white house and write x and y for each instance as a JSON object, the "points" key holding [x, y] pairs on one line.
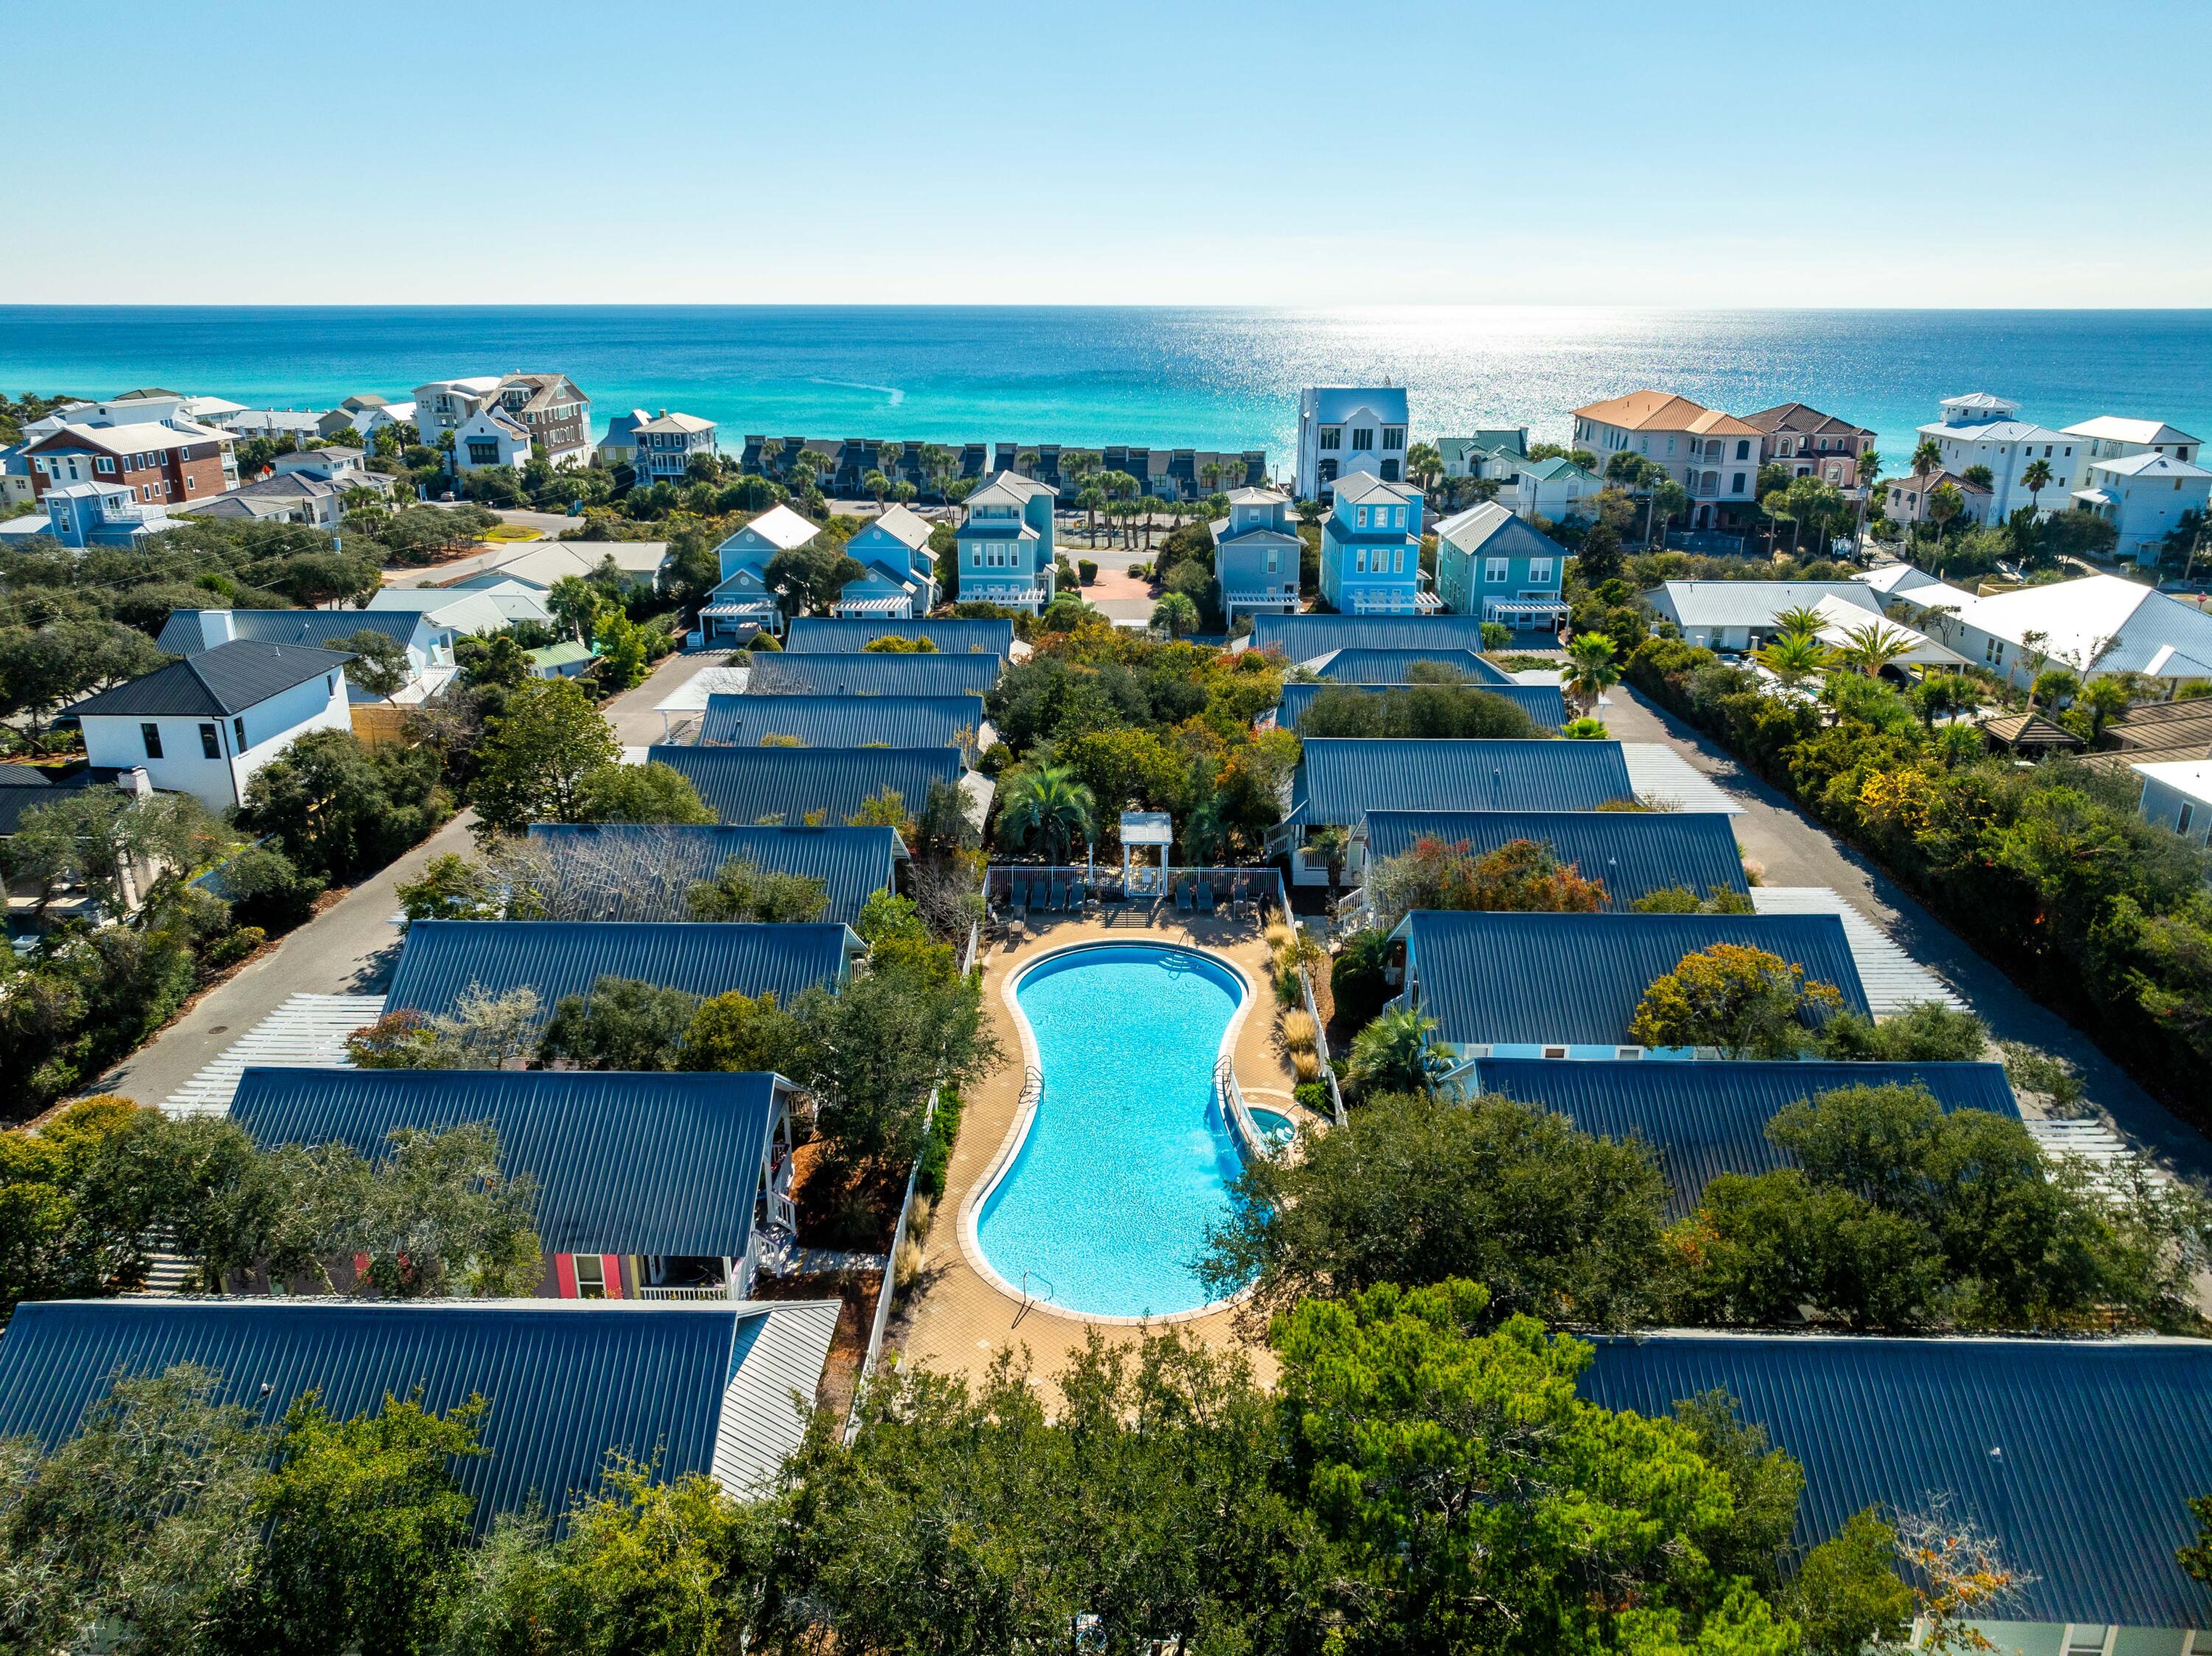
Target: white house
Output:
{"points": [[1348, 429], [2098, 624], [1555, 490], [2176, 794], [2143, 496], [662, 448], [1489, 453], [445, 405], [2109, 437], [536, 567], [1978, 429], [426, 641], [479, 612], [741, 598], [1741, 614], [205, 724], [491, 437], [1714, 456]]}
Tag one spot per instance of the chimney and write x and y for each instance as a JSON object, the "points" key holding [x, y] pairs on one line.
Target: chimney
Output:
{"points": [[216, 627], [135, 783]]}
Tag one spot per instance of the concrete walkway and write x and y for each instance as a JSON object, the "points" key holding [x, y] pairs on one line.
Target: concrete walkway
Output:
{"points": [[1792, 849]]}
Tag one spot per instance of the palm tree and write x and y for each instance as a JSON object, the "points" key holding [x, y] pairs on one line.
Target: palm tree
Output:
{"points": [[1178, 612], [1591, 669], [1800, 618], [1148, 506], [1927, 457], [1869, 473], [1793, 658], [903, 491], [1944, 503], [1394, 1053], [2038, 478], [1049, 805], [1425, 463], [1026, 461], [877, 485], [1089, 501], [1210, 474], [1872, 647]]}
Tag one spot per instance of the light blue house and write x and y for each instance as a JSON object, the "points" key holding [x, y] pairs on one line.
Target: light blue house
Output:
{"points": [[1005, 543], [894, 548], [1370, 548], [1255, 555], [101, 514], [1490, 564], [741, 598]]}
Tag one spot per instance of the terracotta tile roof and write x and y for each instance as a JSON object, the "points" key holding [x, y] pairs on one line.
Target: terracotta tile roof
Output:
{"points": [[1659, 411]]}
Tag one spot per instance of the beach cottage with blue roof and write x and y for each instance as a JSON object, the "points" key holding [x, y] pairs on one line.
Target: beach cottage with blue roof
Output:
{"points": [[821, 634], [1256, 552], [900, 582], [1705, 1120], [1370, 549], [873, 672], [1305, 639], [742, 598], [808, 787], [649, 1186], [1361, 666], [444, 961], [1634, 853], [1492, 565], [845, 721], [1004, 544], [1545, 703], [646, 871], [1567, 985], [682, 1390]]}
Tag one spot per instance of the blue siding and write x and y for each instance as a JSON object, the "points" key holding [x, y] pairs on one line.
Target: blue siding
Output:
{"points": [[1634, 853], [2078, 1456], [1577, 979], [443, 958], [1303, 638], [863, 673], [565, 1384], [1340, 779], [743, 785], [624, 1163], [842, 721], [1705, 1120], [644, 870], [816, 634], [1542, 702]]}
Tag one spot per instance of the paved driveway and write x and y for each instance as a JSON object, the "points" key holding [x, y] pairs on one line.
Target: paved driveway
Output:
{"points": [[1793, 850]]}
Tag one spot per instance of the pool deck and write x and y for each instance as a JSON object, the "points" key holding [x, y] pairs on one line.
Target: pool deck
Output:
{"points": [[956, 1320]]}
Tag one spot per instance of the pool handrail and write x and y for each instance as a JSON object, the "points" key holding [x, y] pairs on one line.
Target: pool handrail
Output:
{"points": [[1239, 1113]]}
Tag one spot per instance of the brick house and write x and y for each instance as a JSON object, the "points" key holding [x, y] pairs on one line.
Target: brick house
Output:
{"points": [[160, 464]]}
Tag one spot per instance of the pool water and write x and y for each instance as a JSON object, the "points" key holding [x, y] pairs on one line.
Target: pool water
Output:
{"points": [[1274, 1126], [1128, 1162]]}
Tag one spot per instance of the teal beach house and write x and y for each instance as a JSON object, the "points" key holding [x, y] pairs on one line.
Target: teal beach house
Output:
{"points": [[1255, 555], [1492, 565], [1370, 549], [1005, 545]]}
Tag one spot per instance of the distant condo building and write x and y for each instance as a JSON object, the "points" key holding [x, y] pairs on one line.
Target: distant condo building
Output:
{"points": [[1714, 456], [1167, 474], [1343, 430]]}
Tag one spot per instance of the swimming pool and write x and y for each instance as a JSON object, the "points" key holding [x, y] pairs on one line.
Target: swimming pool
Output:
{"points": [[1127, 1160]]}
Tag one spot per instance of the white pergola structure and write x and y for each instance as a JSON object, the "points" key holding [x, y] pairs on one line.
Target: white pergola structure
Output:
{"points": [[1146, 828]]}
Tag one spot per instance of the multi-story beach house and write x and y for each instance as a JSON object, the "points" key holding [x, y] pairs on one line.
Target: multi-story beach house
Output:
{"points": [[1554, 489], [1343, 430], [1489, 453], [554, 412], [1370, 548], [160, 464], [2144, 497], [662, 448], [103, 514], [1004, 544], [1714, 456], [445, 405], [742, 598], [2109, 437], [901, 581], [1492, 564], [1978, 429], [491, 437], [1811, 444], [1255, 555]]}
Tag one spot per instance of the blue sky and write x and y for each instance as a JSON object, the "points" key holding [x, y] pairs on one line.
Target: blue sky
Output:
{"points": [[1191, 151]]}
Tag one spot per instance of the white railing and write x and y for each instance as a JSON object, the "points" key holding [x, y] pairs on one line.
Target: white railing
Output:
{"points": [[975, 941], [781, 1211], [1320, 1044], [885, 1288], [1237, 1113], [1102, 884], [684, 1291]]}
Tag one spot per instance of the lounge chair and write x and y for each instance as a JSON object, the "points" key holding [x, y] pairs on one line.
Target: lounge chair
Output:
{"points": [[1204, 897], [1182, 897], [1058, 900], [1079, 894]]}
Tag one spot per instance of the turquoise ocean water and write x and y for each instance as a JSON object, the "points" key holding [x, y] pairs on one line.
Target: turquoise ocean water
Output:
{"points": [[1207, 379]]}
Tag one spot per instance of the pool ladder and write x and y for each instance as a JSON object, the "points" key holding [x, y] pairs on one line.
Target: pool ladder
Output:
{"points": [[1030, 1299]]}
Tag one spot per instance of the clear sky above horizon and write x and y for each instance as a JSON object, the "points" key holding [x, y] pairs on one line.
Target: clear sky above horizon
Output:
{"points": [[1186, 152]]}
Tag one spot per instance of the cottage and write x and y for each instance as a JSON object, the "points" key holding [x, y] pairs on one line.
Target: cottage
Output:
{"points": [[811, 786], [491, 437], [646, 871], [1397, 666], [1004, 544], [901, 583], [1370, 549], [1741, 614], [818, 635], [2148, 498], [81, 515], [2176, 794], [1554, 489], [2098, 624], [661, 449], [1634, 853], [685, 1389], [205, 724], [1544, 703], [1494, 983], [1256, 554], [742, 598], [427, 642], [1307, 639], [844, 721], [874, 672], [1491, 563], [637, 563]]}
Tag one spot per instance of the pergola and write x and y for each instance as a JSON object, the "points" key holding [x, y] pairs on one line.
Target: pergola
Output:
{"points": [[1146, 828]]}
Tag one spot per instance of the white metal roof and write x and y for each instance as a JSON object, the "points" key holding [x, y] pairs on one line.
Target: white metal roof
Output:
{"points": [[2192, 777], [2113, 427], [775, 1371], [1147, 828], [1893, 981], [2148, 465], [1657, 773], [783, 528], [308, 1032]]}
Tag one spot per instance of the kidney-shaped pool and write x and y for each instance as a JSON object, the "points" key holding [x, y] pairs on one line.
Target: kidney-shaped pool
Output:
{"points": [[1104, 1208]]}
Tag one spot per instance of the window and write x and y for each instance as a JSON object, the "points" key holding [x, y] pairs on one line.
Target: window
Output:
{"points": [[1736, 488], [1670, 445], [2188, 814], [1495, 570], [105, 462], [1359, 517], [483, 452], [151, 735], [238, 730], [975, 558], [1332, 437], [1274, 560], [1398, 561], [1743, 449], [1625, 1053], [591, 1275], [1360, 561], [1540, 569], [1393, 437], [210, 741], [1363, 437], [1555, 1051]]}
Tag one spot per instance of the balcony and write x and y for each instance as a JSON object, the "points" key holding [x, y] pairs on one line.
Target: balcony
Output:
{"points": [[694, 1291]]}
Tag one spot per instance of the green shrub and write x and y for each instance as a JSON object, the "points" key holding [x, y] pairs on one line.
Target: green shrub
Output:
{"points": [[937, 1148], [1355, 978], [232, 947]]}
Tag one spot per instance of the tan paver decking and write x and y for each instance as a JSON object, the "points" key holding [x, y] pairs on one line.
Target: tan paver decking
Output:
{"points": [[959, 1320]]}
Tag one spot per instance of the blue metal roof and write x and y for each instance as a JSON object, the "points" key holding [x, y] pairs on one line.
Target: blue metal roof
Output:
{"points": [[1363, 666], [2077, 1456], [645, 870], [566, 1383], [842, 721], [624, 1163], [1303, 638], [1341, 779], [1634, 853], [443, 958], [815, 635], [862, 672], [1577, 979], [744, 785], [1705, 1120], [1542, 702]]}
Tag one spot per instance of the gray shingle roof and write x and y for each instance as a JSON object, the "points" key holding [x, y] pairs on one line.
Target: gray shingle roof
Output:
{"points": [[1303, 638], [228, 679], [181, 634], [1544, 703], [567, 1382], [442, 959], [1577, 979], [624, 1163], [1634, 853], [1705, 1120], [1340, 779], [744, 785], [844, 721], [2079, 1456], [813, 634], [863, 673], [642, 872]]}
